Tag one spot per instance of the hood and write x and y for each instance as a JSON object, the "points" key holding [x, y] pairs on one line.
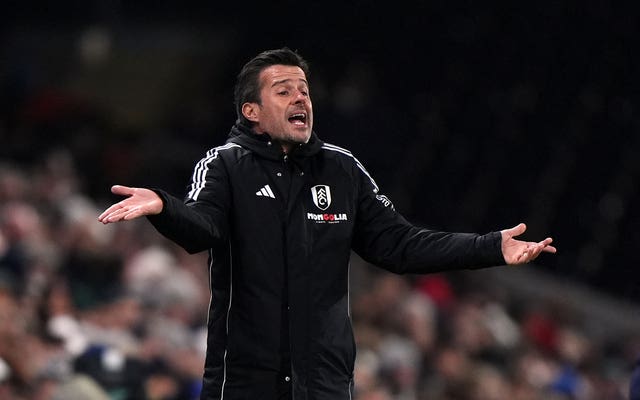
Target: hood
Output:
{"points": [[263, 145]]}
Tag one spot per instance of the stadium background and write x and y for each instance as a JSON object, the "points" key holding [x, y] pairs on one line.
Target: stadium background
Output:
{"points": [[471, 117]]}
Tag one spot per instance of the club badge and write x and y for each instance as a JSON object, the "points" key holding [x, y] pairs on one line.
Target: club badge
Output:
{"points": [[321, 195]]}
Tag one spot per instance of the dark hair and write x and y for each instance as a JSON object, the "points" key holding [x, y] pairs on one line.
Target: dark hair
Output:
{"points": [[247, 87]]}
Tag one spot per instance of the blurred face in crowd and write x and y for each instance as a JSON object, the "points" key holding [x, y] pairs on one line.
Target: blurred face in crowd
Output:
{"points": [[285, 112]]}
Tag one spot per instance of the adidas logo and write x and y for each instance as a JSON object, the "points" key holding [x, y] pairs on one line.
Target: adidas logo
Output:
{"points": [[266, 192]]}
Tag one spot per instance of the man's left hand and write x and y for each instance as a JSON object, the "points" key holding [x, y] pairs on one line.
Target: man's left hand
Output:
{"points": [[520, 252]]}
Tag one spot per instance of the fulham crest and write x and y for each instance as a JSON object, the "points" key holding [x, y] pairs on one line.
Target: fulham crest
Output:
{"points": [[321, 195]]}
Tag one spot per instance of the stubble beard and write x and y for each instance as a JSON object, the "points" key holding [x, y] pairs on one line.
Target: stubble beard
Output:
{"points": [[294, 137]]}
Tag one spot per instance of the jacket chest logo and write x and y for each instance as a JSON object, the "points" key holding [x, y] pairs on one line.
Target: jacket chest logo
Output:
{"points": [[321, 195]]}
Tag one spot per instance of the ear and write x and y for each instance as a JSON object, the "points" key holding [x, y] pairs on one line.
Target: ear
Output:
{"points": [[251, 111]]}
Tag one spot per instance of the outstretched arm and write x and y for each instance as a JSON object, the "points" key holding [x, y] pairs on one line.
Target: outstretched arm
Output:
{"points": [[520, 252], [139, 202]]}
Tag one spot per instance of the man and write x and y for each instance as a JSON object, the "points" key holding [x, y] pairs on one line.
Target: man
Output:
{"points": [[279, 212]]}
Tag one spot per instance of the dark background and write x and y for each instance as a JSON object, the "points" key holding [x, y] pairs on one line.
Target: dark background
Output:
{"points": [[470, 116]]}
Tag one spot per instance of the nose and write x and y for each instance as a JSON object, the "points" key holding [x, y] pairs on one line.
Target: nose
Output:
{"points": [[300, 97]]}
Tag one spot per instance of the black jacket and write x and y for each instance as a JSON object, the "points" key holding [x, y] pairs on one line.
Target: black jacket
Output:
{"points": [[280, 229]]}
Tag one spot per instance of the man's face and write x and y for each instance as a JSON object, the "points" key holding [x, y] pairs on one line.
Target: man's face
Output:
{"points": [[286, 112]]}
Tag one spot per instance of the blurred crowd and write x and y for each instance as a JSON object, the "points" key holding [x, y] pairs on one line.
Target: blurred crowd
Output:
{"points": [[91, 310], [116, 312]]}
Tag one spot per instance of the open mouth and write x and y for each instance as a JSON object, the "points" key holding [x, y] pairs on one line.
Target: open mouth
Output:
{"points": [[299, 119]]}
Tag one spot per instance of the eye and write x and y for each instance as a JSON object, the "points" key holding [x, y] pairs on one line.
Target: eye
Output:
{"points": [[283, 92]]}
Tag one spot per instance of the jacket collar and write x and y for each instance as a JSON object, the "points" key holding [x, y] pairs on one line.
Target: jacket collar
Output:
{"points": [[263, 145]]}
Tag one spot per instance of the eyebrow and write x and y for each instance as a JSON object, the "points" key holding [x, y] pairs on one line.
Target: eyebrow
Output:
{"points": [[288, 80]]}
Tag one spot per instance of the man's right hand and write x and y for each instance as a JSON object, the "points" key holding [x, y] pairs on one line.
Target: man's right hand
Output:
{"points": [[140, 202]]}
